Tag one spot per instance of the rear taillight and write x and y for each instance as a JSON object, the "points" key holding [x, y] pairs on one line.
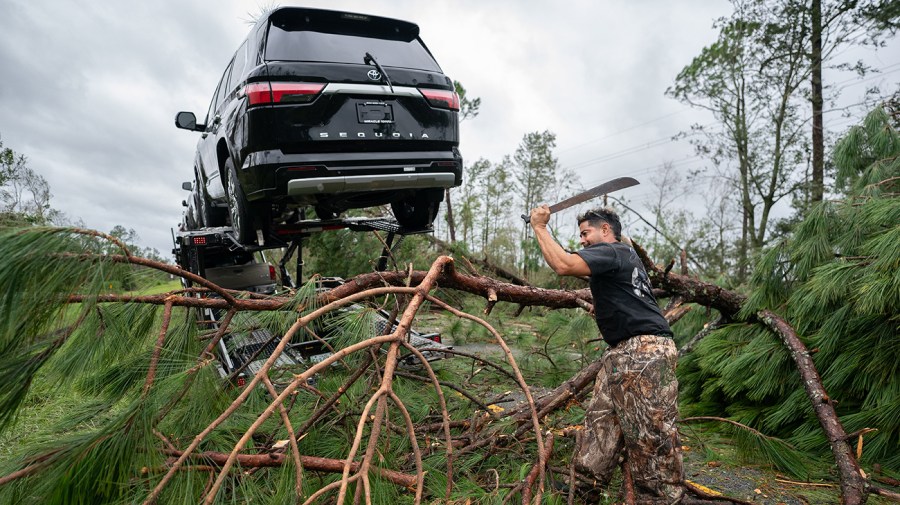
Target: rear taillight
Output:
{"points": [[272, 272], [282, 92], [441, 98]]}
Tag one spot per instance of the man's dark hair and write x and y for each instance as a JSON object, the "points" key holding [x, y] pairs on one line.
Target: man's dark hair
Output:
{"points": [[601, 215]]}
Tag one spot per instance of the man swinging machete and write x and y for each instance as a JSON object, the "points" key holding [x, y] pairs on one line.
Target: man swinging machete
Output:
{"points": [[635, 403]]}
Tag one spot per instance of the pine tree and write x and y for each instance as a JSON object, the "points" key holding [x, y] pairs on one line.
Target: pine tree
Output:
{"points": [[837, 280]]}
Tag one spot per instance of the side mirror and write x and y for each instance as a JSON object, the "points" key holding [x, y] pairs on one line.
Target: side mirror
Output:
{"points": [[187, 185], [184, 203], [186, 121]]}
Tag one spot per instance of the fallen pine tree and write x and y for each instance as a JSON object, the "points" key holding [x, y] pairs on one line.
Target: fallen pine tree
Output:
{"points": [[143, 421]]}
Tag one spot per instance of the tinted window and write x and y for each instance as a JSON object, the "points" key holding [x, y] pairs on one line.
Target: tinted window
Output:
{"points": [[284, 44], [223, 87], [237, 68], [212, 107], [256, 57]]}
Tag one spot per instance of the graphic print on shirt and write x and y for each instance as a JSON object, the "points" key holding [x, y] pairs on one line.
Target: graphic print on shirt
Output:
{"points": [[641, 283]]}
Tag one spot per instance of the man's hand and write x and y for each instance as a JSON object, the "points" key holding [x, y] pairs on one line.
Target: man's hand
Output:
{"points": [[540, 216]]}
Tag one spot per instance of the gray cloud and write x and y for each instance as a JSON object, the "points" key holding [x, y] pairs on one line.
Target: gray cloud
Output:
{"points": [[90, 91]]}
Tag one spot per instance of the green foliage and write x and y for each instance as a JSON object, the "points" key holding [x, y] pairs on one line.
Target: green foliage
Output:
{"points": [[24, 194], [837, 282], [35, 320], [88, 420], [468, 107]]}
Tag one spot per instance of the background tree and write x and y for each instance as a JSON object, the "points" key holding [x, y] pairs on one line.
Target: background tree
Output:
{"points": [[497, 235], [24, 194], [468, 109], [748, 84], [472, 198], [534, 172], [671, 228], [834, 25]]}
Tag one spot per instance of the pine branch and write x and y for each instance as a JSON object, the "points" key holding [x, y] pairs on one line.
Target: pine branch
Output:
{"points": [[313, 463]]}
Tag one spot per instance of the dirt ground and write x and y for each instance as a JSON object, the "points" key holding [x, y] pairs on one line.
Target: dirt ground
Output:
{"points": [[752, 484], [760, 485]]}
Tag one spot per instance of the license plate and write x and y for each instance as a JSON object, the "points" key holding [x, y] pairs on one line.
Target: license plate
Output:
{"points": [[375, 113]]}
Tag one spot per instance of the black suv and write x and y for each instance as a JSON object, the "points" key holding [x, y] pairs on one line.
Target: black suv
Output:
{"points": [[330, 110]]}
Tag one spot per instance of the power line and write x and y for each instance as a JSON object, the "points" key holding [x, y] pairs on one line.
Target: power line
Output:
{"points": [[625, 152], [858, 81], [628, 151], [650, 168], [611, 135]]}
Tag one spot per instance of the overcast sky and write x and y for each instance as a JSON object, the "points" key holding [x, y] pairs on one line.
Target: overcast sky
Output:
{"points": [[89, 90]]}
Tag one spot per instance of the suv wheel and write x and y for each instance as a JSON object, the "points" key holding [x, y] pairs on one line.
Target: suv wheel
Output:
{"points": [[418, 211], [190, 220], [325, 213], [238, 207]]}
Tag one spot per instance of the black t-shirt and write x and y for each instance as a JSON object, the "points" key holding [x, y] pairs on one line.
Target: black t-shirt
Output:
{"points": [[624, 305]]}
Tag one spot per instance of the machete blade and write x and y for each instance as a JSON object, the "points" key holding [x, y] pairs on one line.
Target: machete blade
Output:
{"points": [[603, 189]]}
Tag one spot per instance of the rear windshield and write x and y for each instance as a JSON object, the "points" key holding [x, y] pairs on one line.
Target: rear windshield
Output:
{"points": [[290, 41]]}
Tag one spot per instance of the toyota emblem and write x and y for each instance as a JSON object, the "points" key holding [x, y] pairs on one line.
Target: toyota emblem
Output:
{"points": [[374, 75]]}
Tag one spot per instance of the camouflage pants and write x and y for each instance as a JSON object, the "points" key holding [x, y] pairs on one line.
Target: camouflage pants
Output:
{"points": [[634, 407]]}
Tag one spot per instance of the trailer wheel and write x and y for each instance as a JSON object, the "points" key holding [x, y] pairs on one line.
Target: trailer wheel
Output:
{"points": [[238, 207]]}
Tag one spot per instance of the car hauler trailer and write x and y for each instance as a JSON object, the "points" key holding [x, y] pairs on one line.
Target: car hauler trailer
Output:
{"points": [[216, 255]]}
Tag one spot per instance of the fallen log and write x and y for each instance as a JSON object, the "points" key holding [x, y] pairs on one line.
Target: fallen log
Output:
{"points": [[485, 287], [853, 484], [484, 263]]}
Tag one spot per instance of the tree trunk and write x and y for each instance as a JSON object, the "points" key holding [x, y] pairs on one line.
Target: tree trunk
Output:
{"points": [[818, 138], [485, 263], [853, 485], [451, 225]]}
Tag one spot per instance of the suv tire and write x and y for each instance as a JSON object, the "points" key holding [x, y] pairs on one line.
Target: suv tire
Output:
{"points": [[190, 220], [208, 215], [238, 207], [418, 211]]}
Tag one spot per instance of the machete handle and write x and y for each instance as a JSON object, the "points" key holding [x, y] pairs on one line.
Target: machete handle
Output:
{"points": [[525, 218]]}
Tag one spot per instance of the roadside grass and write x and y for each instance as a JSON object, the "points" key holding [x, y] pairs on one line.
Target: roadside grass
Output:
{"points": [[172, 285], [42, 410]]}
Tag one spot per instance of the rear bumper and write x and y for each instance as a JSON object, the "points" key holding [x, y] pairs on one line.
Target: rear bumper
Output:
{"points": [[268, 174], [343, 184]]}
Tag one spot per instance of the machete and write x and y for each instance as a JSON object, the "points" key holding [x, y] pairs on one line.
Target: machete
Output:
{"points": [[603, 189]]}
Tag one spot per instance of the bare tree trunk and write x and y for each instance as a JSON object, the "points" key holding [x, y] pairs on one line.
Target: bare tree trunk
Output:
{"points": [[818, 138], [451, 225]]}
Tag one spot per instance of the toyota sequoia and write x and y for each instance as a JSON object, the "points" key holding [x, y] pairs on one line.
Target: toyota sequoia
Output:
{"points": [[329, 110]]}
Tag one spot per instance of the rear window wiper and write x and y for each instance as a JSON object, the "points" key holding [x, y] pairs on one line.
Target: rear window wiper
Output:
{"points": [[371, 59]]}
